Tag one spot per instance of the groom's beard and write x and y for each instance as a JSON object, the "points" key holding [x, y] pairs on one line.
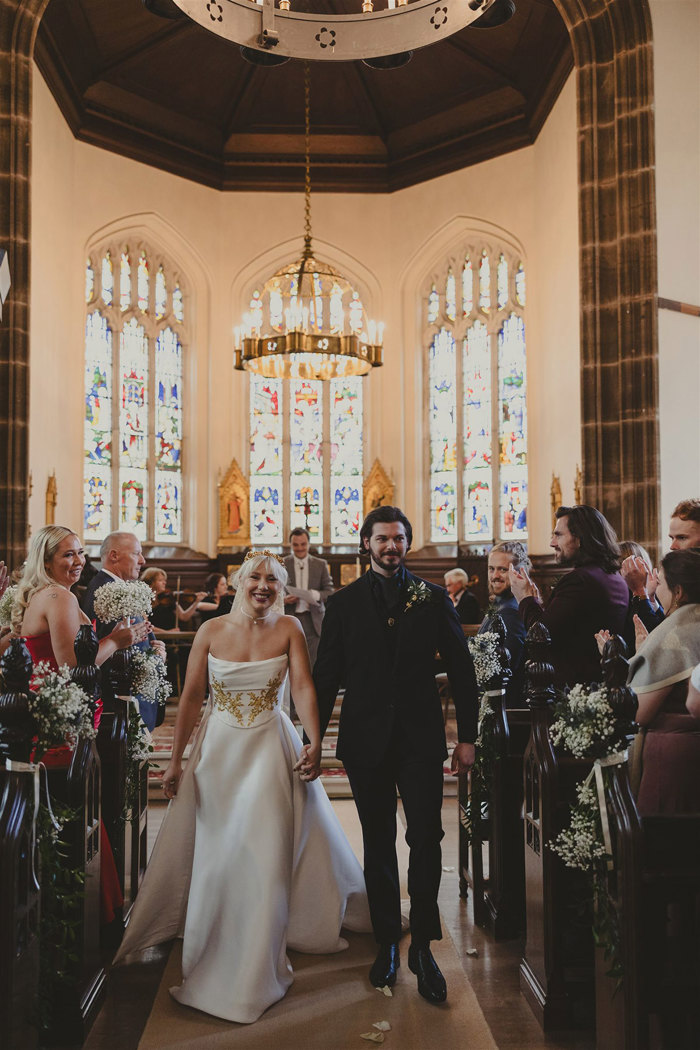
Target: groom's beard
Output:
{"points": [[390, 565]]}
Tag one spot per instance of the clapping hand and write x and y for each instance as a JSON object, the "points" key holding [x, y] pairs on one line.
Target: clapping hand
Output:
{"points": [[309, 764], [521, 585], [635, 572], [640, 632], [601, 638]]}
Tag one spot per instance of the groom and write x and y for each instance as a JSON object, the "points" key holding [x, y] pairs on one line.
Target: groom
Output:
{"points": [[379, 640]]}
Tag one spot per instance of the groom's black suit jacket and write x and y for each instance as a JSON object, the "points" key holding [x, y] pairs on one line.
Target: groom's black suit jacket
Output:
{"points": [[389, 678]]}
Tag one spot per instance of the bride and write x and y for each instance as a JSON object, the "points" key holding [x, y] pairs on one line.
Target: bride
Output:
{"points": [[250, 859]]}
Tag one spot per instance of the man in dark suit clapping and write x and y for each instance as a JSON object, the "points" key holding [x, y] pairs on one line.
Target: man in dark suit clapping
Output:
{"points": [[379, 640]]}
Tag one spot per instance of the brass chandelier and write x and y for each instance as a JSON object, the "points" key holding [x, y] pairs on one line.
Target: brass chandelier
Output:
{"points": [[308, 322]]}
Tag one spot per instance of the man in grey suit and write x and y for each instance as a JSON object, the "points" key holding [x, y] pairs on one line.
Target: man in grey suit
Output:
{"points": [[309, 585]]}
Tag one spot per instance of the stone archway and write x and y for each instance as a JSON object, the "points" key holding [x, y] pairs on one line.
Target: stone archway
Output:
{"points": [[612, 45], [611, 41]]}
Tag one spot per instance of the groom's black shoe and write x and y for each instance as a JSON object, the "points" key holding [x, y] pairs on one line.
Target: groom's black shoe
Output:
{"points": [[431, 983], [384, 967]]}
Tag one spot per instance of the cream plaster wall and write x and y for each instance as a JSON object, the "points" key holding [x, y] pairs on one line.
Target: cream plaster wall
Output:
{"points": [[676, 28], [388, 243]]}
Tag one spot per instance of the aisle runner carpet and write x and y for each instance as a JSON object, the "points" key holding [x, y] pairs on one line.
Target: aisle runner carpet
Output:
{"points": [[331, 1003]]}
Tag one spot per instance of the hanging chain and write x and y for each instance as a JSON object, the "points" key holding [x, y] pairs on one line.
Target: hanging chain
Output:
{"points": [[307, 157]]}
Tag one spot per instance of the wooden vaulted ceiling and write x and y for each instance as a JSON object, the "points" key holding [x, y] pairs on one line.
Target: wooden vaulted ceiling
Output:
{"points": [[177, 97]]}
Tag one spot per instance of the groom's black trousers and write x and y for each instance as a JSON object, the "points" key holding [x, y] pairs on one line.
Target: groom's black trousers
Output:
{"points": [[420, 783]]}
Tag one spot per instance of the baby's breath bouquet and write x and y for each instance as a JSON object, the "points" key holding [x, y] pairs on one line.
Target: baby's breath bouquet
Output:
{"points": [[122, 599], [6, 603], [585, 723], [149, 678], [586, 726], [484, 653], [139, 748], [61, 709]]}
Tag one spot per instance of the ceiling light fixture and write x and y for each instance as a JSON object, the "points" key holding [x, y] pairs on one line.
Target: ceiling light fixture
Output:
{"points": [[265, 26], [308, 322]]}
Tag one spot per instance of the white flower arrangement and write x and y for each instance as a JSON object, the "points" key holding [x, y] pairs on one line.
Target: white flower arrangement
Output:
{"points": [[123, 599], [6, 603], [585, 723], [139, 744], [149, 677], [61, 709], [484, 653], [581, 844]]}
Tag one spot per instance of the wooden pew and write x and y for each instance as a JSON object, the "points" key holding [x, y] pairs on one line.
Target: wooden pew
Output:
{"points": [[499, 897], [556, 971], [128, 838], [19, 888]]}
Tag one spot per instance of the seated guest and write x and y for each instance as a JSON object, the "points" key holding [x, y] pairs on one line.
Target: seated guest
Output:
{"points": [[466, 605], [217, 601], [590, 598], [684, 529], [167, 611], [502, 602], [660, 673], [642, 580]]}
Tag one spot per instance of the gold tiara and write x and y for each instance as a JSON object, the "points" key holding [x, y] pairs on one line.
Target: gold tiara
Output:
{"points": [[263, 554]]}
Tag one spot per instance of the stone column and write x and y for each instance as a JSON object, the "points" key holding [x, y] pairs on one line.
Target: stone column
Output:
{"points": [[612, 47], [19, 21]]}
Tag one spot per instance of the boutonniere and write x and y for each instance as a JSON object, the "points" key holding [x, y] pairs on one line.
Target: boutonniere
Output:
{"points": [[417, 592]]}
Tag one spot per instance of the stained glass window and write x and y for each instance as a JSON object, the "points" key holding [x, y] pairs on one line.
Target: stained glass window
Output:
{"points": [[89, 282], [442, 408], [346, 459], [502, 281], [133, 410], [520, 285], [485, 282], [107, 280], [306, 447], [467, 288], [125, 281], [476, 404], [433, 305], [266, 435], [178, 305], [476, 389], [161, 294], [451, 296], [142, 283], [98, 427], [306, 456]]}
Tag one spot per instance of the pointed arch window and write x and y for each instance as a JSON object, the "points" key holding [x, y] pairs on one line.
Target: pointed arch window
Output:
{"points": [[132, 475], [306, 456], [476, 379]]}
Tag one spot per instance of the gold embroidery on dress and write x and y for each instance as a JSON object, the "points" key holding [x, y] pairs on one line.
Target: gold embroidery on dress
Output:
{"points": [[259, 701]]}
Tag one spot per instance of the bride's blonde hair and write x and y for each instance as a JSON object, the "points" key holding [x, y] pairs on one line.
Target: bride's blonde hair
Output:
{"points": [[42, 547]]}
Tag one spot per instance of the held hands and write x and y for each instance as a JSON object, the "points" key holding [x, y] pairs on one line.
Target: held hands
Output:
{"points": [[463, 758], [309, 765], [171, 779], [521, 585]]}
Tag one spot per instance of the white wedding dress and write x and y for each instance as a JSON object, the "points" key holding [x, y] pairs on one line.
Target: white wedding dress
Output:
{"points": [[250, 860]]}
